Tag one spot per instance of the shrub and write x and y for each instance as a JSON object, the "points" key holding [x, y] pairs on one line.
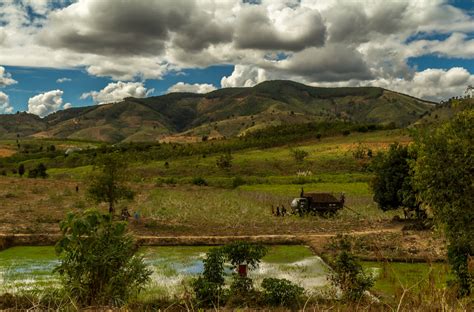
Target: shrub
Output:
{"points": [[199, 181], [281, 292], [208, 294], [346, 132], [38, 172], [299, 155], [21, 170], [241, 286], [237, 181], [98, 265], [224, 161], [208, 287], [348, 274]]}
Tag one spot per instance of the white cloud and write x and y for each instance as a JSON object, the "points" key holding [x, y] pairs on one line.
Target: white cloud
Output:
{"points": [[64, 79], [325, 42], [67, 105], [433, 84], [194, 88], [45, 103], [117, 91], [244, 76], [5, 107], [6, 78]]}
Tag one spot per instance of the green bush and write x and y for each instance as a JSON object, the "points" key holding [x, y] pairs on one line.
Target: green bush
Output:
{"points": [[237, 181], [281, 292], [208, 294], [199, 181], [299, 155], [224, 161], [98, 265], [38, 172], [208, 287], [348, 273], [241, 286]]}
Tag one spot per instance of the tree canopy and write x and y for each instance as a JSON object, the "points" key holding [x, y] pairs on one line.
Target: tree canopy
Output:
{"points": [[108, 183], [444, 176], [393, 178]]}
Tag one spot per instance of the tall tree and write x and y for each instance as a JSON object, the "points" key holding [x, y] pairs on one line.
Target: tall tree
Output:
{"points": [[108, 182], [21, 170], [393, 179], [444, 175]]}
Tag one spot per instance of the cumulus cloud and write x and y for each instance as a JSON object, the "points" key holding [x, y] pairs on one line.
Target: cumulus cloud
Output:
{"points": [[432, 84], [194, 88], [291, 29], [5, 107], [45, 103], [115, 27], [6, 78], [244, 76], [117, 91], [333, 62], [64, 79], [323, 42], [67, 105]]}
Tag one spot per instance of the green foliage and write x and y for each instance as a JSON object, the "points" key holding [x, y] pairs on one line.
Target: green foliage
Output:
{"points": [[224, 161], [281, 292], [348, 273], [199, 181], [21, 170], [208, 287], [393, 179], [98, 262], [245, 253], [298, 154], [237, 181], [208, 294], [443, 175], [214, 266], [38, 172], [108, 182], [242, 291]]}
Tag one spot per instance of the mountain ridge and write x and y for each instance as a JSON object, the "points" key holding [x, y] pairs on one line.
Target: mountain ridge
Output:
{"points": [[220, 113]]}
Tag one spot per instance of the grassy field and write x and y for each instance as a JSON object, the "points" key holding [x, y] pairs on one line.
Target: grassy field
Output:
{"points": [[169, 203]]}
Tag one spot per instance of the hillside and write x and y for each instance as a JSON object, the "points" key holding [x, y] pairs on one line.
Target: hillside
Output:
{"points": [[221, 113]]}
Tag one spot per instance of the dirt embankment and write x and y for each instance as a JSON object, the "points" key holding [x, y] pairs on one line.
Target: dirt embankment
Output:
{"points": [[380, 245]]}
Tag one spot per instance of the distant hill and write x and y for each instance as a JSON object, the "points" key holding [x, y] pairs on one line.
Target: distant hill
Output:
{"points": [[225, 112], [445, 111]]}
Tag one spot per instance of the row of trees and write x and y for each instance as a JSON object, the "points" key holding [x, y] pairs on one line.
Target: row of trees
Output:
{"points": [[435, 174], [265, 138]]}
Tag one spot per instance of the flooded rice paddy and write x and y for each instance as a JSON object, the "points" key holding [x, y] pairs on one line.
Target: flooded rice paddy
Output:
{"points": [[31, 268]]}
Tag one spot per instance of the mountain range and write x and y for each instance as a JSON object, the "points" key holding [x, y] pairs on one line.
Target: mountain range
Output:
{"points": [[187, 117]]}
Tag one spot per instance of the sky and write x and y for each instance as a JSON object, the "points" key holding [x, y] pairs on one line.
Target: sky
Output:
{"points": [[60, 54]]}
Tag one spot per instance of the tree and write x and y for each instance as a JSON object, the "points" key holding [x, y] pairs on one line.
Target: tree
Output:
{"points": [[444, 176], [393, 180], [21, 170], [224, 161], [243, 253], [348, 273], [298, 154], [208, 288], [108, 182], [39, 171], [98, 261]]}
